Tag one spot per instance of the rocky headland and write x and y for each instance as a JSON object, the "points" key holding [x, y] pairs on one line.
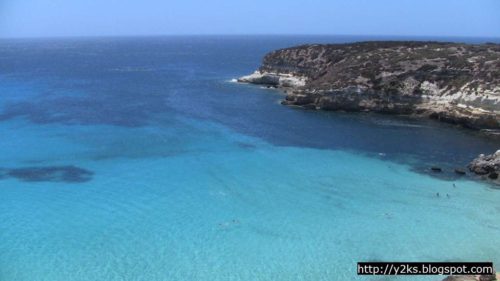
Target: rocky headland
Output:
{"points": [[452, 82]]}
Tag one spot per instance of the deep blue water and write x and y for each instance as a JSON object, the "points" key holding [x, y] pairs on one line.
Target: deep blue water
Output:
{"points": [[139, 159]]}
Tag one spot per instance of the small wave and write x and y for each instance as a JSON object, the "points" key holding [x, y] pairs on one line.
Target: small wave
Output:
{"points": [[399, 124], [132, 69]]}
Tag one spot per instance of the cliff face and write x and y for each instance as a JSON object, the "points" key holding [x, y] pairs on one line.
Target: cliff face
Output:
{"points": [[452, 82]]}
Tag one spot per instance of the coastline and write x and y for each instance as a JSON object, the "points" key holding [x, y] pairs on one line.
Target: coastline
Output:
{"points": [[212, 179], [463, 115], [449, 82]]}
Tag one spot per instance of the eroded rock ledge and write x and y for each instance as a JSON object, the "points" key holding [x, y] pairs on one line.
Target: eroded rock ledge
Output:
{"points": [[451, 82], [487, 166]]}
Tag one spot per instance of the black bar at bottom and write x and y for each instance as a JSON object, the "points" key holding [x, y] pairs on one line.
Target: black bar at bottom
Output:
{"points": [[425, 268]]}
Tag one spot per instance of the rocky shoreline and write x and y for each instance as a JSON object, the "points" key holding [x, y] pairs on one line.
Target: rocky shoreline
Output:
{"points": [[472, 277], [487, 166], [451, 82]]}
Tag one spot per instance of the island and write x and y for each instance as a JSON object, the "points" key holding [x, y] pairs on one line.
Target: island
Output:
{"points": [[452, 82]]}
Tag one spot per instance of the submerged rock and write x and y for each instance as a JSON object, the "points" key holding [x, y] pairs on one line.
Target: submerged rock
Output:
{"points": [[491, 133], [486, 165], [436, 169], [450, 82], [69, 174]]}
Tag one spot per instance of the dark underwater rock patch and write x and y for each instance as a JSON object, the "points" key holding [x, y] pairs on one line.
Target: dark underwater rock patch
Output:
{"points": [[68, 174], [83, 111], [245, 145], [436, 169], [2, 173], [444, 172]]}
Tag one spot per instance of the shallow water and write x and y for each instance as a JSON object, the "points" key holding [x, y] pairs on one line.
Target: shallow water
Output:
{"points": [[138, 159]]}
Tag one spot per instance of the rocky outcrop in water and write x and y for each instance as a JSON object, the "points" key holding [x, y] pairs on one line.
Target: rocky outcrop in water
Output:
{"points": [[471, 278], [487, 165], [451, 82]]}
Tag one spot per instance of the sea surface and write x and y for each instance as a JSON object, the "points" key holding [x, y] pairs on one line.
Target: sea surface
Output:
{"points": [[140, 159]]}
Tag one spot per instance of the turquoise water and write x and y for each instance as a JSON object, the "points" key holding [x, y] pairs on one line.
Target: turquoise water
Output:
{"points": [[138, 159]]}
